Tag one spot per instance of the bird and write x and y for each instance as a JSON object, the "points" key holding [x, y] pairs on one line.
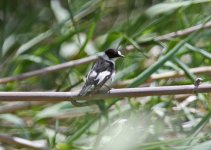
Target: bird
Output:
{"points": [[101, 72]]}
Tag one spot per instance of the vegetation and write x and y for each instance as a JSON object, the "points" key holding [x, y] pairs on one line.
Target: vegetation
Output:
{"points": [[36, 35]]}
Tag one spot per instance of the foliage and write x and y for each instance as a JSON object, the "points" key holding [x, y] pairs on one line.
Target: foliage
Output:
{"points": [[38, 34]]}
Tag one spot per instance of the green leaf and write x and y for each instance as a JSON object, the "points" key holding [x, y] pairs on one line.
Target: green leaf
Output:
{"points": [[134, 43], [26, 46], [124, 72], [34, 59], [199, 50], [185, 69], [63, 146], [91, 31], [8, 43], [13, 119], [200, 125], [158, 144], [112, 37], [153, 68], [196, 130], [60, 12], [61, 109], [166, 7], [203, 146], [87, 125], [53, 111]]}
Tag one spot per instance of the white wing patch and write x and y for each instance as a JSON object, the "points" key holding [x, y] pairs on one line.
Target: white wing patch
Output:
{"points": [[101, 76], [92, 74]]}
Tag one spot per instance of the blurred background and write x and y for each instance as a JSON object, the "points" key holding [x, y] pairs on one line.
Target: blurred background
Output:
{"points": [[39, 34]]}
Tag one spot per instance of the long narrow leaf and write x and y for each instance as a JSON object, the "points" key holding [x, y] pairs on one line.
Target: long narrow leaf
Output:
{"points": [[146, 74], [185, 69], [195, 131], [199, 50]]}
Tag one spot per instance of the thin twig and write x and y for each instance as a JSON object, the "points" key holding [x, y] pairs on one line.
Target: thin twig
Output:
{"points": [[129, 48], [176, 74], [22, 142], [114, 93], [48, 69], [184, 32]]}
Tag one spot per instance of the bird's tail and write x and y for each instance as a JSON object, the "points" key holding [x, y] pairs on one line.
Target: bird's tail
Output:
{"points": [[86, 88]]}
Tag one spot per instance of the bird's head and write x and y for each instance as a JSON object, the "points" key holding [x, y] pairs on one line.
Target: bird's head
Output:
{"points": [[112, 53]]}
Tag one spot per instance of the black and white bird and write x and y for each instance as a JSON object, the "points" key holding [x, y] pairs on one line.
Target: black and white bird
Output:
{"points": [[102, 71]]}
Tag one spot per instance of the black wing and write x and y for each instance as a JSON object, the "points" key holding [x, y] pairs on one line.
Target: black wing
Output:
{"points": [[100, 73]]}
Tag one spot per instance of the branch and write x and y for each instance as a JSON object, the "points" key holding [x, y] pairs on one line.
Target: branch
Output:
{"points": [[22, 142], [176, 74], [114, 93], [184, 32], [93, 58], [48, 69]]}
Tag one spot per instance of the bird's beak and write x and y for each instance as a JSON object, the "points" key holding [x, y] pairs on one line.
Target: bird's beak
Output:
{"points": [[120, 54]]}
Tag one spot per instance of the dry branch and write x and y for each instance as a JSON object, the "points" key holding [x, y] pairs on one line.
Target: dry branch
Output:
{"points": [[176, 74], [114, 93], [48, 69], [184, 32], [93, 58]]}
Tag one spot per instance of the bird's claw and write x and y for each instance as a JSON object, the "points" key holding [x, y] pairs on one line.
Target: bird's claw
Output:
{"points": [[197, 83]]}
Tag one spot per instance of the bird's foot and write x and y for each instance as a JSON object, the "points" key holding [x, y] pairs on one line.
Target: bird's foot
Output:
{"points": [[196, 84], [107, 87]]}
